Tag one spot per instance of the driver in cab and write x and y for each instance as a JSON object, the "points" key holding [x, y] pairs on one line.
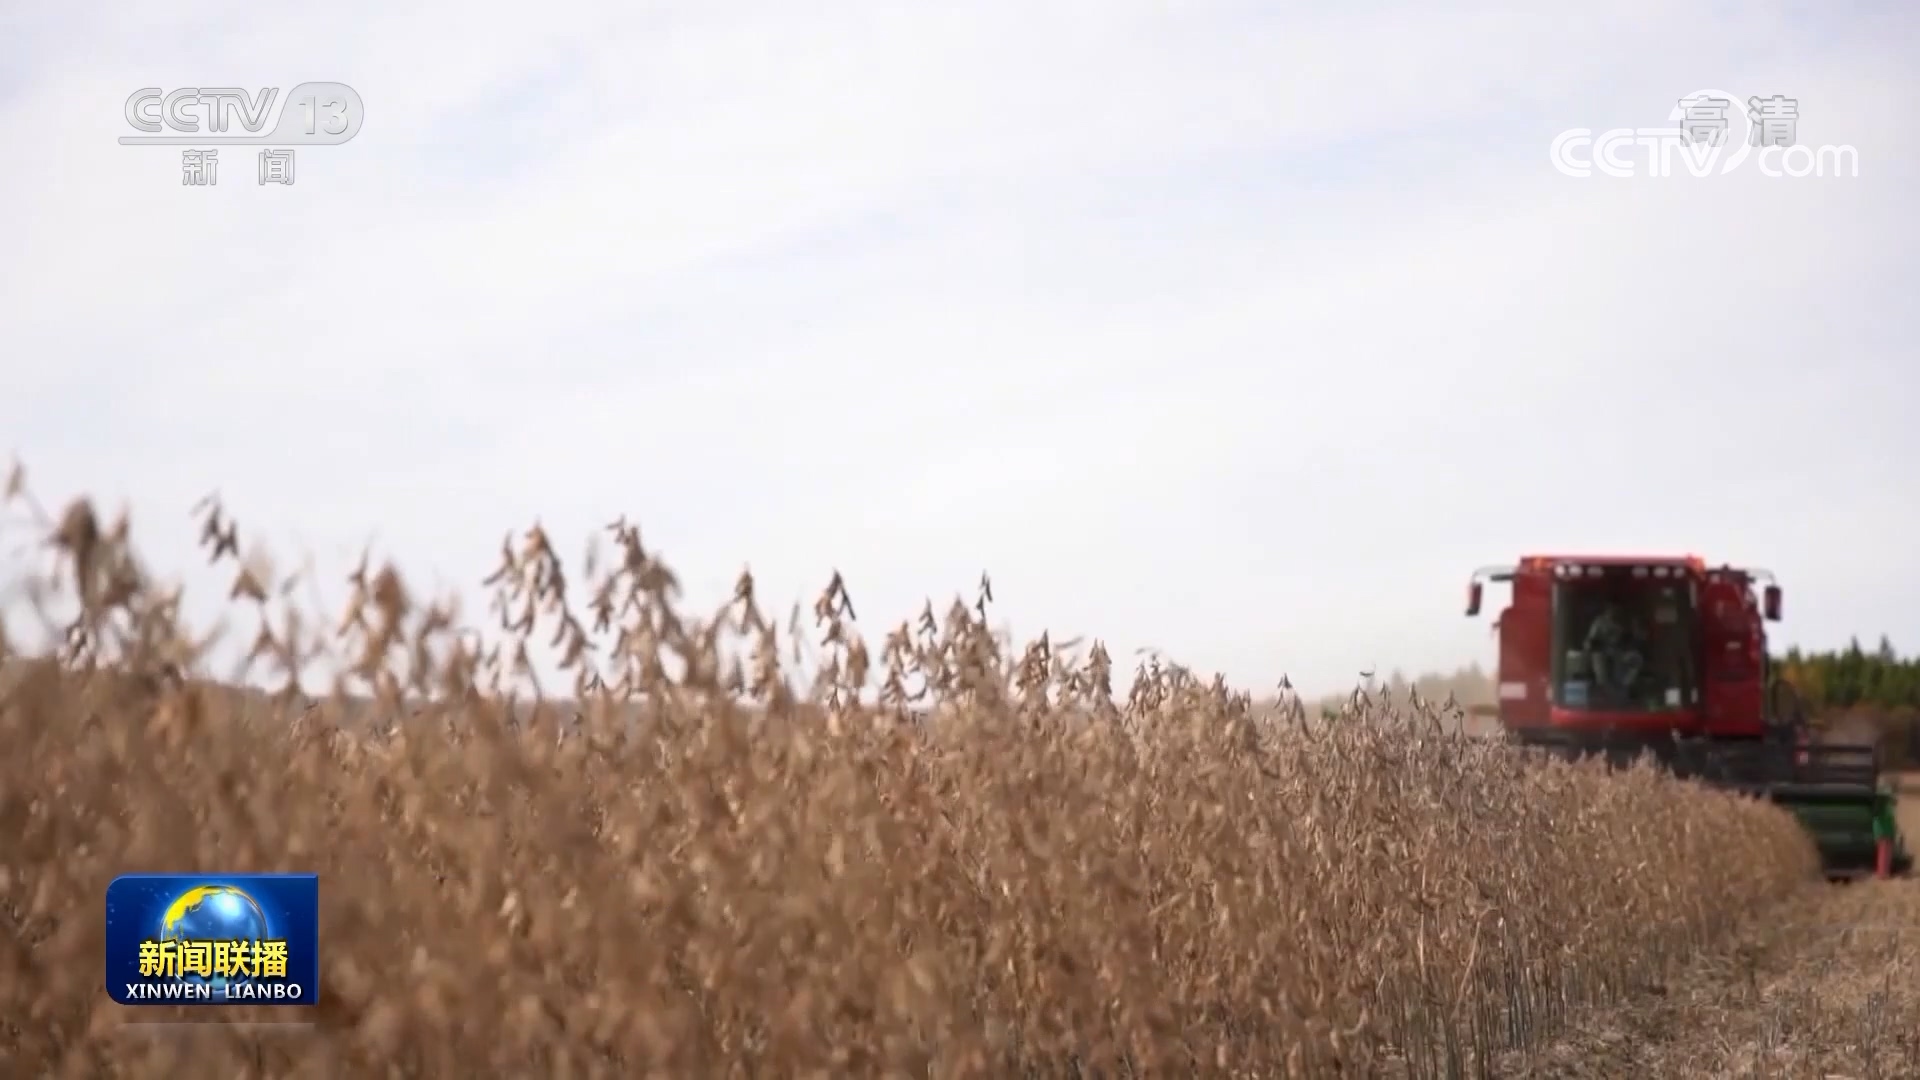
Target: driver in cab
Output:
{"points": [[1612, 646]]}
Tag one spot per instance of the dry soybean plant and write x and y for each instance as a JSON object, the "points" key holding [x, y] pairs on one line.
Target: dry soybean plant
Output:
{"points": [[936, 856]]}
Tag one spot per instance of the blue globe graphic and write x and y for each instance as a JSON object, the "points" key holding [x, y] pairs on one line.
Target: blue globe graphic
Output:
{"points": [[213, 913]]}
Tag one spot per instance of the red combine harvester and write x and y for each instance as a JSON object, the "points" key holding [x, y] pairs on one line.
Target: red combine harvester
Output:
{"points": [[1627, 654], [1623, 657]]}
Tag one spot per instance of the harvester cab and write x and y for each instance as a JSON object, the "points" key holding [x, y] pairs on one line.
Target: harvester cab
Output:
{"points": [[1625, 657]]}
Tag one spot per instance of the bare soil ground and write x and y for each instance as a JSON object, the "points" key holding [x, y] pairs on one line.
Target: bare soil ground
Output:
{"points": [[1826, 985], [1910, 808]]}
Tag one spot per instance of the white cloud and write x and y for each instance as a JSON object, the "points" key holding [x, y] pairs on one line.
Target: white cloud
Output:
{"points": [[1237, 332]]}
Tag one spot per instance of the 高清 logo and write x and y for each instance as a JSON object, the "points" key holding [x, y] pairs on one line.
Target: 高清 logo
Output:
{"points": [[1708, 133]]}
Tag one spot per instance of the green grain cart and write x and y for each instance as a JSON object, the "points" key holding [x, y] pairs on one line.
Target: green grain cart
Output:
{"points": [[1856, 833], [1837, 792]]}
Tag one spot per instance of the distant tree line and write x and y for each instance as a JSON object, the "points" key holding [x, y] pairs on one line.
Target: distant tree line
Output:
{"points": [[1854, 678], [1872, 692]]}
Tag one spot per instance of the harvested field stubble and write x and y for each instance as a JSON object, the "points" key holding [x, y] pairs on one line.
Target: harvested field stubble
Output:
{"points": [[983, 867], [1907, 812], [1827, 985]]}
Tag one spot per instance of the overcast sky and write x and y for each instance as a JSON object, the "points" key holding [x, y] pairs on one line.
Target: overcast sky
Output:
{"points": [[1244, 331]]}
